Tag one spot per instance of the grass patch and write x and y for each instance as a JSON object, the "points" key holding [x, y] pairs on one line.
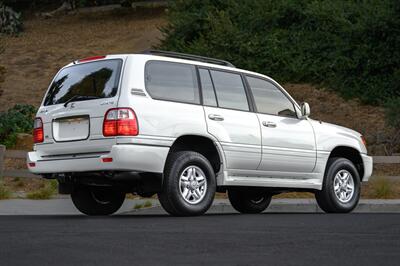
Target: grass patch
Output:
{"points": [[147, 204], [138, 206], [381, 188], [4, 192], [46, 192], [141, 205]]}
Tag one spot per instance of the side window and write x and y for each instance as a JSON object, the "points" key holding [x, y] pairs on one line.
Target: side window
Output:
{"points": [[172, 81], [269, 99], [230, 90], [207, 88]]}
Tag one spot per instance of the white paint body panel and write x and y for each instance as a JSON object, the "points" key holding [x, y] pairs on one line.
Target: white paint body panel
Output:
{"points": [[291, 155], [239, 135], [288, 147]]}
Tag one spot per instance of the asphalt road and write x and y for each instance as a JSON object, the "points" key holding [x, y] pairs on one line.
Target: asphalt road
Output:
{"points": [[224, 239]]}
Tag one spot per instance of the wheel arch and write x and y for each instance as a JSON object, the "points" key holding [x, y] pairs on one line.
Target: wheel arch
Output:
{"points": [[350, 153], [204, 145]]}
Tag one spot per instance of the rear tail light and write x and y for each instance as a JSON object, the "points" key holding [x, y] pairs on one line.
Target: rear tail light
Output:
{"points": [[120, 122], [38, 134]]}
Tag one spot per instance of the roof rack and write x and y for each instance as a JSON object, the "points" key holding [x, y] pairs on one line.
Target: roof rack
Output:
{"points": [[189, 57]]}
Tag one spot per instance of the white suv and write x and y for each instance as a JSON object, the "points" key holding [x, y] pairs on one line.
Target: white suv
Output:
{"points": [[184, 127]]}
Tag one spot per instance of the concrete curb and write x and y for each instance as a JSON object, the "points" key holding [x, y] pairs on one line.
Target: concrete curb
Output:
{"points": [[64, 206], [222, 206]]}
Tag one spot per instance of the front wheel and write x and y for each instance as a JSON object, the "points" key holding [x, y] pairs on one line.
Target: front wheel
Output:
{"points": [[92, 200], [341, 188], [249, 200]]}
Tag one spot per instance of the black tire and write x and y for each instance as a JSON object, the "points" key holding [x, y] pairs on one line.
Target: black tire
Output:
{"points": [[171, 197], [92, 200], [327, 199], [249, 200]]}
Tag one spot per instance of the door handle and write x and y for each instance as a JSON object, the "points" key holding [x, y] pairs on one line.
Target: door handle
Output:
{"points": [[269, 124], [215, 117]]}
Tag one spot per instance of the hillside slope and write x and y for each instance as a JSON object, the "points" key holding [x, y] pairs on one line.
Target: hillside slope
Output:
{"points": [[32, 59], [328, 106]]}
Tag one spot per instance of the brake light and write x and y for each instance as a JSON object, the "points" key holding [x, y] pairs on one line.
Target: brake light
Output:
{"points": [[38, 134], [120, 122], [92, 58]]}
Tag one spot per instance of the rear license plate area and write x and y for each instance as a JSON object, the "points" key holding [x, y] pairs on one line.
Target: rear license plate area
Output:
{"points": [[71, 128]]}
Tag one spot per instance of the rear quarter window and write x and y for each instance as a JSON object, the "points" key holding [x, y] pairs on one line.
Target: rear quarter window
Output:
{"points": [[172, 82], [95, 79]]}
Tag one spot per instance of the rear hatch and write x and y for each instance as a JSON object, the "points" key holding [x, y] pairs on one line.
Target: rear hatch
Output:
{"points": [[74, 106]]}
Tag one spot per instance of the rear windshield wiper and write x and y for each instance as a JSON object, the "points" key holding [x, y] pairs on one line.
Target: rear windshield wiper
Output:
{"points": [[76, 98]]}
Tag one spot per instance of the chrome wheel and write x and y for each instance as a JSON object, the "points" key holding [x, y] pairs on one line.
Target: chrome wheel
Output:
{"points": [[343, 186], [193, 184]]}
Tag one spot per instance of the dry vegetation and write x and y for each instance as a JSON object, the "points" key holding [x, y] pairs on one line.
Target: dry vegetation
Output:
{"points": [[32, 59], [327, 106]]}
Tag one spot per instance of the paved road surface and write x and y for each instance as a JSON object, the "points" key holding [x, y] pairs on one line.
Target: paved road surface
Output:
{"points": [[213, 239]]}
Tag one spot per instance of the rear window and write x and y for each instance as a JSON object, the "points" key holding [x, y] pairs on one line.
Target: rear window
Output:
{"points": [[172, 82], [230, 90], [92, 80]]}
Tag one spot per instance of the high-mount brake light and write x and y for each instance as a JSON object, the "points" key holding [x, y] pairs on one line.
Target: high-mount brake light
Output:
{"points": [[92, 58], [38, 134], [120, 122]]}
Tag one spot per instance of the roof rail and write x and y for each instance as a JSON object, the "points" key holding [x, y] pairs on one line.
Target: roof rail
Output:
{"points": [[189, 57]]}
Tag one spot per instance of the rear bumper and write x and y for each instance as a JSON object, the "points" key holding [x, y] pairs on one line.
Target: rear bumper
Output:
{"points": [[130, 157], [368, 165]]}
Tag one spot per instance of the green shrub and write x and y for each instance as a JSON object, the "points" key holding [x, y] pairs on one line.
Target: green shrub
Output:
{"points": [[10, 21], [147, 204], [4, 192], [138, 206], [381, 188], [46, 192], [18, 119], [350, 46]]}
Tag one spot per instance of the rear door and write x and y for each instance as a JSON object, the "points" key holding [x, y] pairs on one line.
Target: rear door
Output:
{"points": [[74, 107], [230, 119]]}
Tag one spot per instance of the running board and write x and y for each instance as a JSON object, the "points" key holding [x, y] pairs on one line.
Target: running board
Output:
{"points": [[270, 182]]}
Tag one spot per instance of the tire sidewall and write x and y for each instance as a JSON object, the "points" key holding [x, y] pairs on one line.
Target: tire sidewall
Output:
{"points": [[242, 199], [84, 201], [182, 162], [334, 168]]}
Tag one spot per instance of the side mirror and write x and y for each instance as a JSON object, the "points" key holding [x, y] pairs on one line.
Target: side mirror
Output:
{"points": [[305, 110]]}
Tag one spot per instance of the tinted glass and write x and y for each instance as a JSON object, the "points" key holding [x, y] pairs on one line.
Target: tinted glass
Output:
{"points": [[230, 90], [270, 99], [172, 81], [91, 80], [207, 88]]}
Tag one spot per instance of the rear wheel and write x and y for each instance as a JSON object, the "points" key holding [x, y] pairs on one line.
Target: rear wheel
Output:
{"points": [[249, 200], [92, 200], [189, 184], [341, 188]]}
